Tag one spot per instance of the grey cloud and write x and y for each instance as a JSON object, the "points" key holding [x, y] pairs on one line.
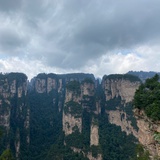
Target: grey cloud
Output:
{"points": [[8, 5], [98, 28], [11, 42], [70, 33]]}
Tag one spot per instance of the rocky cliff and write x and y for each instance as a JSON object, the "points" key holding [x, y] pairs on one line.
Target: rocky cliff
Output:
{"points": [[79, 98], [119, 91], [68, 112], [120, 86], [14, 111], [148, 133], [72, 117], [94, 137]]}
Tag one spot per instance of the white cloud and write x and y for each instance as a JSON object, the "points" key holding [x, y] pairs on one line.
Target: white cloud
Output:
{"points": [[144, 58], [30, 68]]}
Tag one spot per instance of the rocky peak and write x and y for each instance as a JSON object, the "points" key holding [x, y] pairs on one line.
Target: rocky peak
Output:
{"points": [[120, 85], [13, 83], [44, 82]]}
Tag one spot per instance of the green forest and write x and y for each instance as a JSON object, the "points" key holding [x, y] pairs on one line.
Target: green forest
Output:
{"points": [[147, 98]]}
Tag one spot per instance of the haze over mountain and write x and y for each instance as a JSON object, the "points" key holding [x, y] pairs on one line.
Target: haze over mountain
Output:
{"points": [[100, 37]]}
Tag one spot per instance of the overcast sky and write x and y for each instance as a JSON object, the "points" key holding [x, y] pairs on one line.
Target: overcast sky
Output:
{"points": [[91, 36]]}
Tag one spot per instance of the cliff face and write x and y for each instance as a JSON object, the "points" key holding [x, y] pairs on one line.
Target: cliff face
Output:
{"points": [[14, 109], [120, 118], [35, 115], [90, 157], [46, 83], [71, 118], [147, 133], [94, 137], [119, 92], [120, 87], [79, 98]]}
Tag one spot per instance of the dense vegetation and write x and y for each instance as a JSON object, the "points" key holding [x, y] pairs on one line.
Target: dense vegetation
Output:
{"points": [[76, 76], [88, 80], [115, 144], [7, 154], [141, 153], [147, 98], [46, 124], [73, 108], [73, 86]]}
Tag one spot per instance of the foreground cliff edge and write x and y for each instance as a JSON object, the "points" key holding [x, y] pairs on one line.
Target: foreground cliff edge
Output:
{"points": [[70, 116], [147, 112]]}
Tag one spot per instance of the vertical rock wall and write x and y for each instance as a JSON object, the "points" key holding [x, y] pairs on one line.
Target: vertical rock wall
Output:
{"points": [[64, 100], [94, 137], [13, 104], [72, 100], [147, 130], [120, 89]]}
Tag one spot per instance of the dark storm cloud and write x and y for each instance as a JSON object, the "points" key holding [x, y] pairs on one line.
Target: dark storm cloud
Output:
{"points": [[70, 33]]}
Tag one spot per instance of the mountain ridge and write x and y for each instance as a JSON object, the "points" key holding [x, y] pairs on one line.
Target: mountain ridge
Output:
{"points": [[67, 112]]}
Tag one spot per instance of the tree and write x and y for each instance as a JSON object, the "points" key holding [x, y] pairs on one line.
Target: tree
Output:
{"points": [[7, 155], [147, 98]]}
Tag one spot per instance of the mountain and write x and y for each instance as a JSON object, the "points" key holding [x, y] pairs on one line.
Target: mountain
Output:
{"points": [[143, 75], [70, 116]]}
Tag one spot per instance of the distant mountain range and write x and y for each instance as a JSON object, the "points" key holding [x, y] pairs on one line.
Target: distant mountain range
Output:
{"points": [[143, 75]]}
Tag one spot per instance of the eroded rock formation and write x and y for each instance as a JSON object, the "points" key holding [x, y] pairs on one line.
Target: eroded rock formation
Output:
{"points": [[68, 98], [123, 87]]}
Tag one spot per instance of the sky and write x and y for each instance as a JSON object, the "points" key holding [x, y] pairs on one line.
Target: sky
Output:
{"points": [[70, 36]]}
